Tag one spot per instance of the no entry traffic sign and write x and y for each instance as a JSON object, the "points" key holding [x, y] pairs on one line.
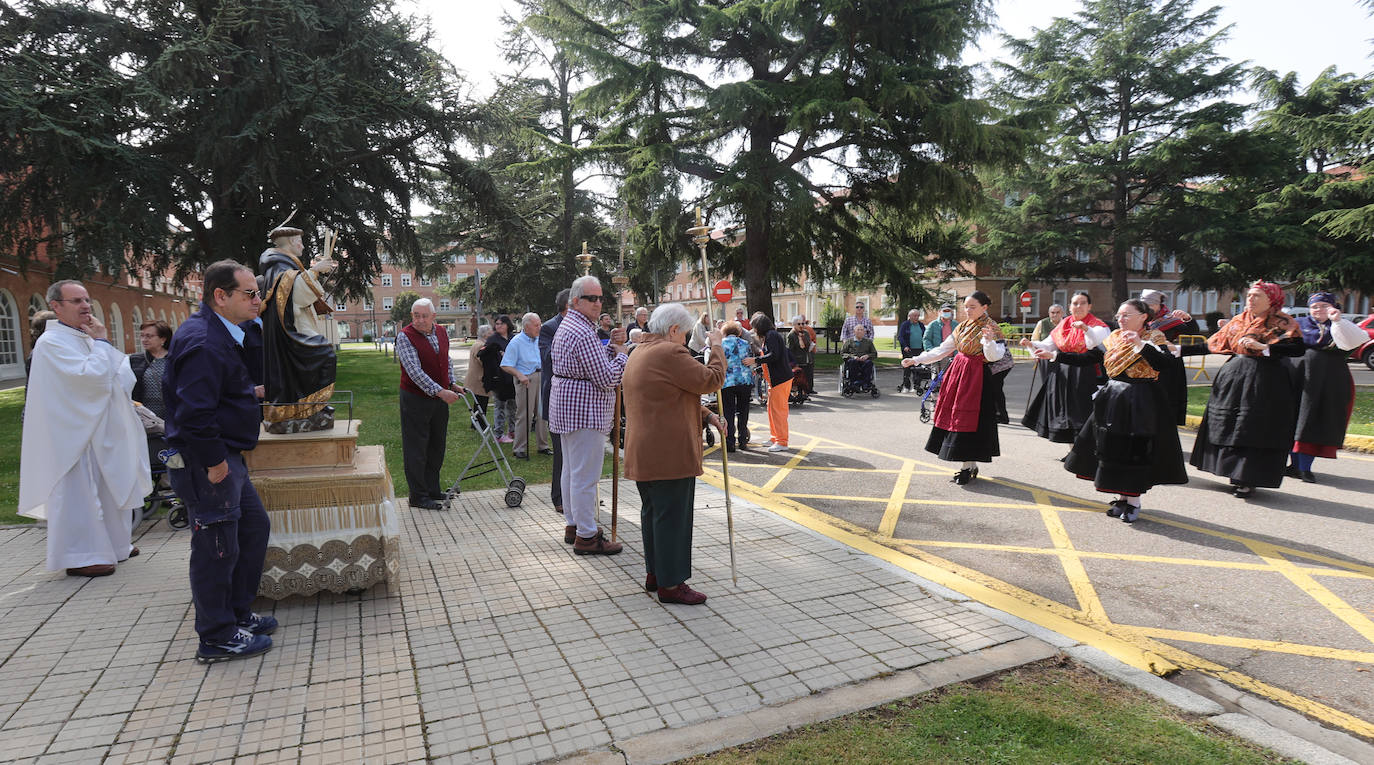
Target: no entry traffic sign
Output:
{"points": [[723, 291]]}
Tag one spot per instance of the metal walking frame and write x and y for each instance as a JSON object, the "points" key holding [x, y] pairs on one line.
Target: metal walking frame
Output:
{"points": [[931, 395], [489, 447]]}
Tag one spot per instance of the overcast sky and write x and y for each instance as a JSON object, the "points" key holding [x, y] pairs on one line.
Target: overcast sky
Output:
{"points": [[1283, 35]]}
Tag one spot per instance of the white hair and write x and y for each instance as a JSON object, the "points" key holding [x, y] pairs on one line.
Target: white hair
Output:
{"points": [[797, 318], [670, 315], [484, 331], [527, 318], [1056, 305], [580, 284], [634, 334], [422, 303]]}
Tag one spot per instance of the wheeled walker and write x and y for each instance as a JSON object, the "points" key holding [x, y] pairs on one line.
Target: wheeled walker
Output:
{"points": [[487, 447]]}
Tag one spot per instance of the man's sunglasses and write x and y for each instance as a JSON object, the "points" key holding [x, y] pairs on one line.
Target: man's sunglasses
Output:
{"points": [[592, 298]]}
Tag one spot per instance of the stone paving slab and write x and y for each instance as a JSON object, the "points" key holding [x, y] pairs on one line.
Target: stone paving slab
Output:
{"points": [[495, 644]]}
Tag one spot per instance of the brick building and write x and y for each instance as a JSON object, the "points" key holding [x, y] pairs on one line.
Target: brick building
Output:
{"points": [[121, 301], [357, 318]]}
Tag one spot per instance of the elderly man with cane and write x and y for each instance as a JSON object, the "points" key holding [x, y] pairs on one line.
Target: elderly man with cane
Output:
{"points": [[585, 376], [663, 387]]}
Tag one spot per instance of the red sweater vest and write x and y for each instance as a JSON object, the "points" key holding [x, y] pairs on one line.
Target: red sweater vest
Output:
{"points": [[434, 364]]}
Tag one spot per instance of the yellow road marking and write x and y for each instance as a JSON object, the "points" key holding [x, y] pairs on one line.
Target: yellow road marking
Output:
{"points": [[1244, 682], [1298, 649], [792, 463], [894, 502], [1019, 604], [1136, 646], [940, 502], [1328, 599], [1083, 589], [1133, 557]]}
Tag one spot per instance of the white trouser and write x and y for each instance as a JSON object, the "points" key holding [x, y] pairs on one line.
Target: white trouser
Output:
{"points": [[87, 526], [583, 457]]}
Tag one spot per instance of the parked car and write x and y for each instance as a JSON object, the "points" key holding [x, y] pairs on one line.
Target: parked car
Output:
{"points": [[1365, 352]]}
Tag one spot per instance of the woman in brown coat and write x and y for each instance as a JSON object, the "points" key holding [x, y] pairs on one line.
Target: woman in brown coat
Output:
{"points": [[664, 384], [473, 379]]}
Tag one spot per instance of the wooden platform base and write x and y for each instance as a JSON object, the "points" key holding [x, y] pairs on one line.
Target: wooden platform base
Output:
{"points": [[334, 526]]}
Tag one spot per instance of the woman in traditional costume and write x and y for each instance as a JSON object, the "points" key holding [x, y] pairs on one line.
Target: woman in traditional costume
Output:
{"points": [[965, 428], [1061, 402], [1173, 324], [1326, 389], [1247, 430], [1131, 442]]}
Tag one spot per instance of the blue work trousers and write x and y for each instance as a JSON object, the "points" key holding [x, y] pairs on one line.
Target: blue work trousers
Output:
{"points": [[229, 530]]}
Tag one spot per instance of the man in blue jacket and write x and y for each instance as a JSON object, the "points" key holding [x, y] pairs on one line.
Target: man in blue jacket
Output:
{"points": [[212, 418]]}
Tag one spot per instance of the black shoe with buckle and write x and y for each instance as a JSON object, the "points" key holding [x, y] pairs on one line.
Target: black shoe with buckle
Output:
{"points": [[965, 476]]}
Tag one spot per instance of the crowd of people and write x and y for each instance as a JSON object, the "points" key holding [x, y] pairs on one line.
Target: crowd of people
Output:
{"points": [[1116, 393]]}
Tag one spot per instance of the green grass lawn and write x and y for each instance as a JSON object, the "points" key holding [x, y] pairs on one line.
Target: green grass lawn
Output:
{"points": [[1042, 713], [372, 377], [11, 436], [1361, 419]]}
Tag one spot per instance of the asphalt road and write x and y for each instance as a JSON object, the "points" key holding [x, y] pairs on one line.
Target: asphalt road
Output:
{"points": [[1274, 594]]}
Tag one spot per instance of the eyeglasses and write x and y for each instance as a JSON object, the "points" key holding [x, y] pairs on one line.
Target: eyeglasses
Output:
{"points": [[1121, 316], [79, 301], [591, 298], [252, 294]]}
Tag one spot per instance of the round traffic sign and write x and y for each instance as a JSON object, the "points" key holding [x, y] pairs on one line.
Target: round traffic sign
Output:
{"points": [[723, 291], [1026, 299]]}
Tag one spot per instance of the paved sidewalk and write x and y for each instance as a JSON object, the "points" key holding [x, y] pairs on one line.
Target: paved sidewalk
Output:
{"points": [[496, 644]]}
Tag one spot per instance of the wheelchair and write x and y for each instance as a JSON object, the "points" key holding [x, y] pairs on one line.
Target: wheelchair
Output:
{"points": [[850, 387], [162, 496]]}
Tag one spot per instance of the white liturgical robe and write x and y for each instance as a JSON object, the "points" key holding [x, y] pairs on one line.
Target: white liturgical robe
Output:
{"points": [[84, 464]]}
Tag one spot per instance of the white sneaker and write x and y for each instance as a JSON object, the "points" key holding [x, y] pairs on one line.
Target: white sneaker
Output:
{"points": [[777, 447]]}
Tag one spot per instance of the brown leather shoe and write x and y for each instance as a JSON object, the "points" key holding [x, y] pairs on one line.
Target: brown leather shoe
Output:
{"points": [[558, 509], [97, 569], [569, 534], [134, 553], [650, 583], [680, 594], [597, 545]]}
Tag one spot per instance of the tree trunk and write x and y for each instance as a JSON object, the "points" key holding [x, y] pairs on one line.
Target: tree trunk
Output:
{"points": [[758, 287]]}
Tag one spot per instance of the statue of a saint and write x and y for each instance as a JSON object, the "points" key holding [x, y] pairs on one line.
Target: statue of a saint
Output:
{"points": [[298, 356]]}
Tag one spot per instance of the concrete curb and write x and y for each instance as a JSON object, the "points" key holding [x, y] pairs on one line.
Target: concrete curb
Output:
{"points": [[1286, 744], [1239, 713], [672, 744]]}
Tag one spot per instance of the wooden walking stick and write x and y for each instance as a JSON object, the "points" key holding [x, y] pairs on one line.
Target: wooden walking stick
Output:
{"points": [[615, 463], [725, 471]]}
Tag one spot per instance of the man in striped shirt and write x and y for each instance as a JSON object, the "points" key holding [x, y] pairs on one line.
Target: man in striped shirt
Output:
{"points": [[585, 376]]}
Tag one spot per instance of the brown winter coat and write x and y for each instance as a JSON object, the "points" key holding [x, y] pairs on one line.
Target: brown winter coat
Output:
{"points": [[663, 412]]}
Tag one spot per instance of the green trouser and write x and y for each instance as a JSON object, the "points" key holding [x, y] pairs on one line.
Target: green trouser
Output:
{"points": [[665, 521]]}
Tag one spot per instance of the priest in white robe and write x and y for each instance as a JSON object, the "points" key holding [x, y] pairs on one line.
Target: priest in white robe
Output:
{"points": [[84, 464]]}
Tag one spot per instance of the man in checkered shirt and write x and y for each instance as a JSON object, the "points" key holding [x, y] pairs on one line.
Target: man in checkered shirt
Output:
{"points": [[585, 375]]}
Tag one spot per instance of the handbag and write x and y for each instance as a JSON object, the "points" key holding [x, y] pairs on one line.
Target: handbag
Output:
{"points": [[1003, 364]]}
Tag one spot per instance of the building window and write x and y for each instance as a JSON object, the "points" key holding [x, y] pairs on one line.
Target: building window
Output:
{"points": [[444, 278], [387, 303], [462, 304], [341, 306], [386, 280], [424, 281], [444, 304], [1137, 258], [367, 305], [405, 280], [385, 258], [1061, 297], [1084, 256], [481, 258]]}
